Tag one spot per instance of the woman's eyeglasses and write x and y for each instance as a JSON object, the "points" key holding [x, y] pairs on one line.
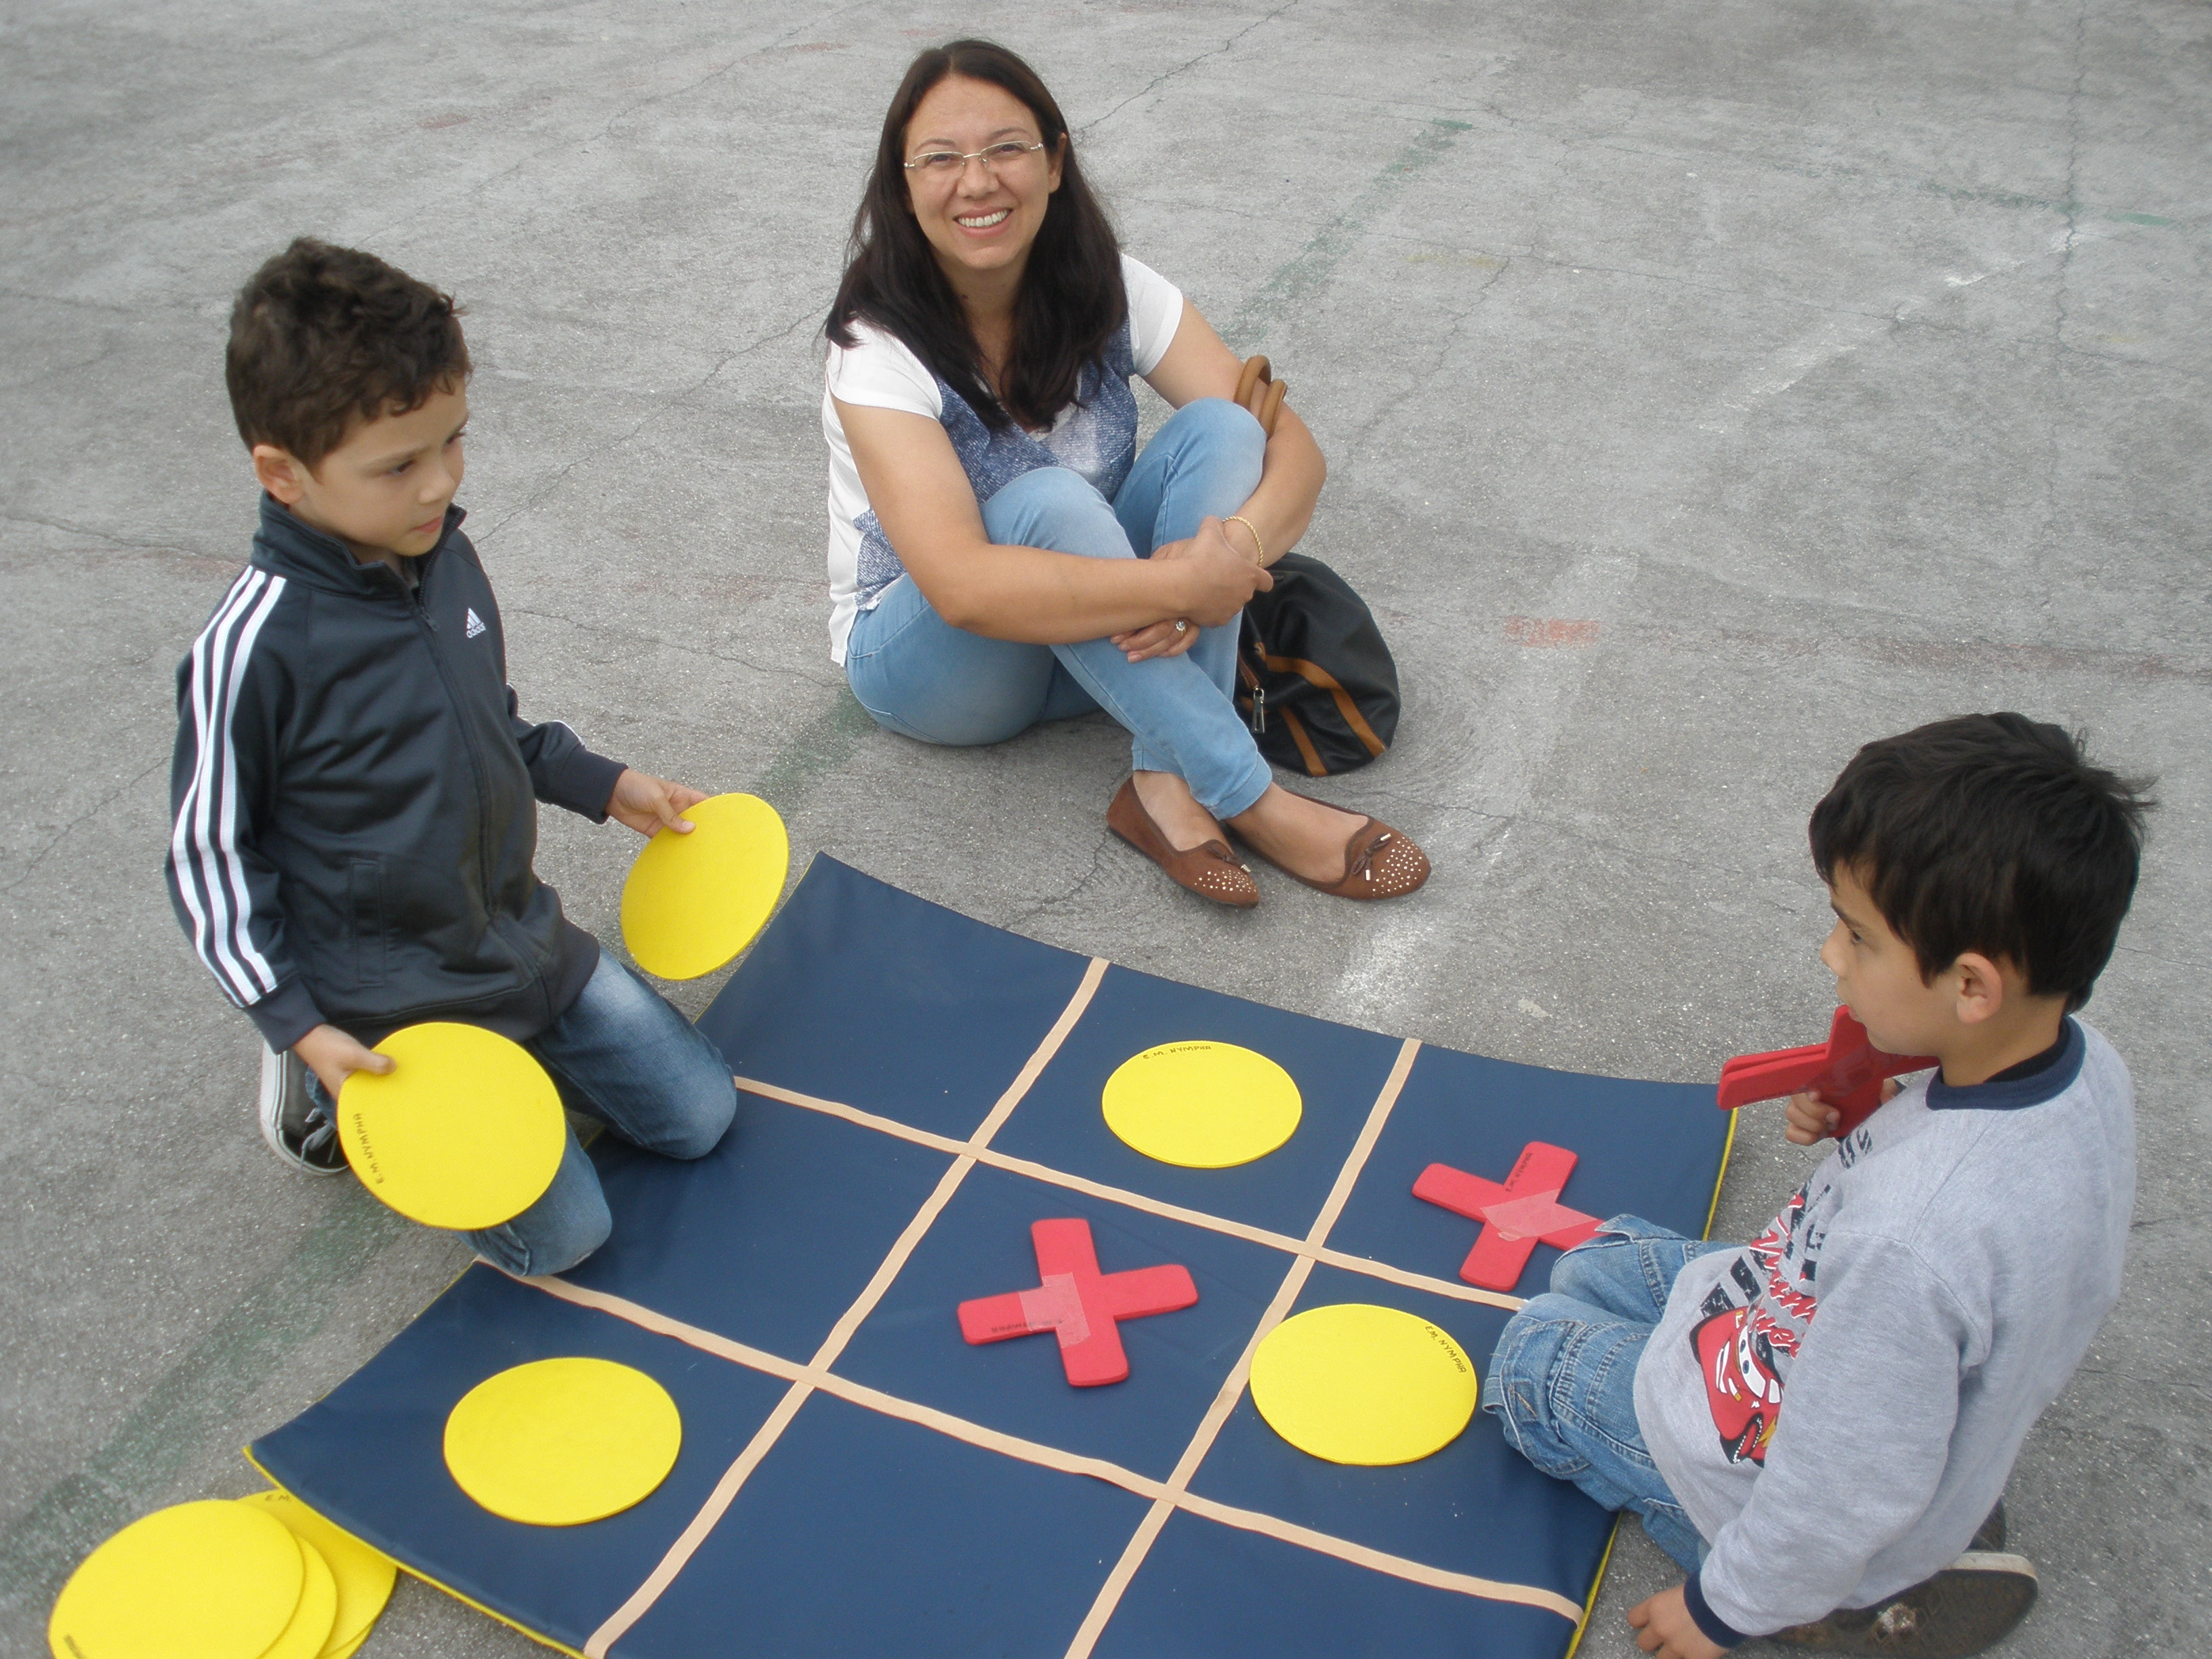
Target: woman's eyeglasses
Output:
{"points": [[950, 164]]}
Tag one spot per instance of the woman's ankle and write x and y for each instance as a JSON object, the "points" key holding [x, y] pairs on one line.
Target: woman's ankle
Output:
{"points": [[1167, 801]]}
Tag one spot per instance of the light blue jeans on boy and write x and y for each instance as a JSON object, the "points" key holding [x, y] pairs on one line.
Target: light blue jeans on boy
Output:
{"points": [[619, 1053], [922, 677], [1563, 1377]]}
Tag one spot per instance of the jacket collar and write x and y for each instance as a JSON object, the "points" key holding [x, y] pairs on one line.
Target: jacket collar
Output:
{"points": [[289, 547]]}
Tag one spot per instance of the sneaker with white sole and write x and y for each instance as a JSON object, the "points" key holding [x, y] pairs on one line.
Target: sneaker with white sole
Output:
{"points": [[294, 1123], [1975, 1602]]}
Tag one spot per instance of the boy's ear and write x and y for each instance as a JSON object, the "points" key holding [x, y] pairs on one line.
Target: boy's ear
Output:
{"points": [[280, 473], [1981, 989]]}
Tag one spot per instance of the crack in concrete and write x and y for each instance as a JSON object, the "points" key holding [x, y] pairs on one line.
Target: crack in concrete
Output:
{"points": [[1159, 81], [569, 141], [1439, 365], [1098, 868], [668, 405], [15, 515], [85, 817], [639, 636]]}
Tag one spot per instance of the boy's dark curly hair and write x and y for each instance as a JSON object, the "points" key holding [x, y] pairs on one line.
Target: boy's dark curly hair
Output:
{"points": [[1990, 833], [323, 335]]}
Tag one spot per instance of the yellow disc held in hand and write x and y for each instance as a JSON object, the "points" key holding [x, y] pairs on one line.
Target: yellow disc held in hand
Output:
{"points": [[364, 1575], [1356, 1384], [1203, 1105], [559, 1442], [692, 901], [210, 1580], [464, 1132]]}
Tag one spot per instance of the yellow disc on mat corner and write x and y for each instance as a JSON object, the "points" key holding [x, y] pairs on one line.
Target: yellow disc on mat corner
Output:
{"points": [[1355, 1383], [692, 901], [364, 1575], [1203, 1105], [314, 1621], [559, 1442], [209, 1580], [465, 1131]]}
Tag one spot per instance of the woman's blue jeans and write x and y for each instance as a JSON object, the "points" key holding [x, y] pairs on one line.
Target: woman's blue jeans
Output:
{"points": [[622, 1055], [922, 677], [1563, 1377]]}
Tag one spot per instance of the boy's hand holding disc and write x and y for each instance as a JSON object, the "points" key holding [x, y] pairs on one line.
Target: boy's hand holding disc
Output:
{"points": [[464, 1132], [693, 901]]}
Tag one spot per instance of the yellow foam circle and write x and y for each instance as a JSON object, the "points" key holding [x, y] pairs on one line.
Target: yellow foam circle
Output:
{"points": [[314, 1621], [692, 901], [209, 1580], [559, 1442], [364, 1575], [1203, 1105], [464, 1132], [1356, 1384]]}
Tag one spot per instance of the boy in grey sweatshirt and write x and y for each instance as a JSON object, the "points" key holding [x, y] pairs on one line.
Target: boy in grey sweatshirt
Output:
{"points": [[1818, 1424]]}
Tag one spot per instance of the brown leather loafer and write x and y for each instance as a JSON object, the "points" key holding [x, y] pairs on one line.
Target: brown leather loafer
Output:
{"points": [[1209, 870], [1379, 862]]}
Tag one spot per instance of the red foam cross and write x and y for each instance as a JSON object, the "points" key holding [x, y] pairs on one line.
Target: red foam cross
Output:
{"points": [[1514, 1216], [1847, 1069], [1077, 1303]]}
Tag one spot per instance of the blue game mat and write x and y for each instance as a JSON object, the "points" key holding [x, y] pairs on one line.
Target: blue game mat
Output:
{"points": [[856, 1480]]}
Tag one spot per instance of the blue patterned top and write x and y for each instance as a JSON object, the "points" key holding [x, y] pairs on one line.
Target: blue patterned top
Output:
{"points": [[1096, 436]]}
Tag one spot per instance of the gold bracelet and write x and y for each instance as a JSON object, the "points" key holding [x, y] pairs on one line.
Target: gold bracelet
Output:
{"points": [[1238, 518]]}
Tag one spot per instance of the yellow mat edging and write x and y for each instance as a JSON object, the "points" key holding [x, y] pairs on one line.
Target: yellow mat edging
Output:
{"points": [[415, 1572]]}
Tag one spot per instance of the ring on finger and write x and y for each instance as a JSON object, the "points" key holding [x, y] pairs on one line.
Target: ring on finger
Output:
{"points": [[1182, 624]]}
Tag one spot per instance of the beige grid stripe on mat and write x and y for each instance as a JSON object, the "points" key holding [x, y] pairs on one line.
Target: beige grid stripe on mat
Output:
{"points": [[1232, 1390], [1051, 1457], [765, 1438]]}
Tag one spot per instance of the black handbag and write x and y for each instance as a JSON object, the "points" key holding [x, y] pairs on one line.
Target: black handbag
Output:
{"points": [[1314, 680]]}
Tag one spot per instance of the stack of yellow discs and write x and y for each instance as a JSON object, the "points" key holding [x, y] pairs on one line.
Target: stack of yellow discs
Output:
{"points": [[694, 900], [211, 1580], [364, 1575], [464, 1132]]}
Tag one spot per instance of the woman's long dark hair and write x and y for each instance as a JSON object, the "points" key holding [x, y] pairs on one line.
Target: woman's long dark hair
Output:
{"points": [[1072, 298]]}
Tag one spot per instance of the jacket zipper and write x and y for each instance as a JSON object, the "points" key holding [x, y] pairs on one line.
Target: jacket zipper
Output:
{"points": [[476, 756]]}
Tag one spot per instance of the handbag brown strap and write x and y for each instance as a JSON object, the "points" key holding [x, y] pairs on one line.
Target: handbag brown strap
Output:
{"points": [[1260, 392]]}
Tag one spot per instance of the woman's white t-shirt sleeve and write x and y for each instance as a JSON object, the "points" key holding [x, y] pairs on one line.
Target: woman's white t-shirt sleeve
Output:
{"points": [[1155, 312], [881, 372]]}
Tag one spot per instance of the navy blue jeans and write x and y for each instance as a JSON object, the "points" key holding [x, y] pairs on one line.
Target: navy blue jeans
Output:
{"points": [[1563, 1378], [619, 1053]]}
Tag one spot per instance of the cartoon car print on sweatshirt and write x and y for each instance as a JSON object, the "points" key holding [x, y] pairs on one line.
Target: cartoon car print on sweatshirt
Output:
{"points": [[1743, 1389], [1741, 1350]]}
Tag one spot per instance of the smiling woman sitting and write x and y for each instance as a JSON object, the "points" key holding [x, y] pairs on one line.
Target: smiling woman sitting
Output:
{"points": [[1000, 554]]}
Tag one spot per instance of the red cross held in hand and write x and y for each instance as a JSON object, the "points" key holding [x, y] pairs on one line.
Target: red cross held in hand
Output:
{"points": [[1078, 1302], [1514, 1217]]}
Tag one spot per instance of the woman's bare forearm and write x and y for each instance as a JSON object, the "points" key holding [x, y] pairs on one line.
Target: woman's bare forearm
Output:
{"points": [[1038, 596], [1280, 510]]}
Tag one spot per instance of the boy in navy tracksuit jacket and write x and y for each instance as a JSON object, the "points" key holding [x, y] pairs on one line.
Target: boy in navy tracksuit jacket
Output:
{"points": [[354, 789]]}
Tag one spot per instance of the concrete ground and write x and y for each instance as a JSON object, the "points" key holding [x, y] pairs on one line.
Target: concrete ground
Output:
{"points": [[1708, 388]]}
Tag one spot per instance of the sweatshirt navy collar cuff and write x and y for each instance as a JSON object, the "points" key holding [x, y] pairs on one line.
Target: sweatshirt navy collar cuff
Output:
{"points": [[2008, 1092], [1716, 1630]]}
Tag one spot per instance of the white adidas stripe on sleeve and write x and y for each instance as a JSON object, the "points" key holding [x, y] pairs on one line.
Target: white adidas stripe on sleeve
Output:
{"points": [[204, 844]]}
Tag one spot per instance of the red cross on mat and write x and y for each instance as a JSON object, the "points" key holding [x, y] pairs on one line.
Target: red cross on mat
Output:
{"points": [[1514, 1216], [1077, 1303]]}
